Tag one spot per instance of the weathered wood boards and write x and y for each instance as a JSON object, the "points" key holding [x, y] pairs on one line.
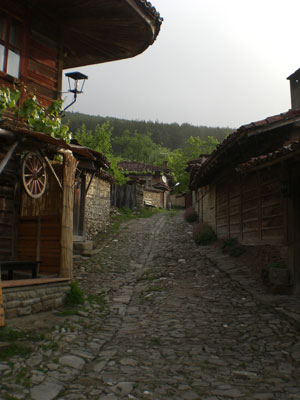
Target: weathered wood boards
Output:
{"points": [[2, 317], [250, 207]]}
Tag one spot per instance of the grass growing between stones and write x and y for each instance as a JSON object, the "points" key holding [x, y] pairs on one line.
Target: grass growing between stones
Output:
{"points": [[14, 349]]}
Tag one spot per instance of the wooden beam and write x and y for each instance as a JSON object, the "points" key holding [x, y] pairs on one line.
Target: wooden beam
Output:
{"points": [[53, 171], [89, 184], [7, 134], [2, 317], [66, 256], [8, 156]]}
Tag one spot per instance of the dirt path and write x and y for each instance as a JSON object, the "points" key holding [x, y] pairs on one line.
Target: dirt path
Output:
{"points": [[176, 327]]}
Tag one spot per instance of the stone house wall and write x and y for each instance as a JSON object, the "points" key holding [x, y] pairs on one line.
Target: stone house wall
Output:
{"points": [[155, 197], [97, 207], [26, 300]]}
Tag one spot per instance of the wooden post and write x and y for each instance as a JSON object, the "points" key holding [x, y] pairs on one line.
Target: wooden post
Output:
{"points": [[2, 318], [66, 256]]}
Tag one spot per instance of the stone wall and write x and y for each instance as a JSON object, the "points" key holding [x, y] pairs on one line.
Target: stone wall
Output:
{"points": [[154, 197], [178, 200], [25, 300], [97, 207]]}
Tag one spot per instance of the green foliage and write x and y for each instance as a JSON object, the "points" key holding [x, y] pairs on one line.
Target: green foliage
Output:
{"points": [[100, 140], [75, 295], [170, 136], [232, 247], [203, 234], [98, 299], [146, 142], [190, 215], [135, 146], [277, 264], [36, 117], [14, 349], [178, 159]]}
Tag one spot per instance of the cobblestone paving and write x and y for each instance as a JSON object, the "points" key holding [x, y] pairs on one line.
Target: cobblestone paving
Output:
{"points": [[179, 325]]}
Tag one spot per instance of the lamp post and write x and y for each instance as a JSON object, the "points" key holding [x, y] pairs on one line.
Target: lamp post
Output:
{"points": [[74, 79]]}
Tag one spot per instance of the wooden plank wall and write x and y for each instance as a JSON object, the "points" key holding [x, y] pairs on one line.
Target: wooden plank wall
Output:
{"points": [[43, 68], [41, 218], [8, 182], [47, 248], [251, 208]]}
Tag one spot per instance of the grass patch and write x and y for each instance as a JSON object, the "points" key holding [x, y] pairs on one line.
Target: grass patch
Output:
{"points": [[14, 349], [74, 296], [155, 341], [11, 335], [67, 312], [98, 299], [8, 335], [50, 346]]}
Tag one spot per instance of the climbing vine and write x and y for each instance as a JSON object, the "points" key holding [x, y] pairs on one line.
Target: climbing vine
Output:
{"points": [[40, 119]]}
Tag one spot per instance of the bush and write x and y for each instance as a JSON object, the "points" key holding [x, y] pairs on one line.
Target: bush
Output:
{"points": [[203, 234], [190, 215], [75, 295], [232, 247]]}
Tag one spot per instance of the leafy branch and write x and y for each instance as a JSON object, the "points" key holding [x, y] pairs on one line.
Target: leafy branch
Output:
{"points": [[40, 119]]}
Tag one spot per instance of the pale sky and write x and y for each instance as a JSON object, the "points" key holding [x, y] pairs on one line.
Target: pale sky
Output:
{"points": [[214, 63]]}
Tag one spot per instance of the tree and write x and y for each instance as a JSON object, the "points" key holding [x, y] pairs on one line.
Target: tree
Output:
{"points": [[179, 158], [100, 140], [134, 146]]}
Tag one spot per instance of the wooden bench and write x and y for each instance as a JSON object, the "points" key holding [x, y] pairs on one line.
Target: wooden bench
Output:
{"points": [[11, 266]]}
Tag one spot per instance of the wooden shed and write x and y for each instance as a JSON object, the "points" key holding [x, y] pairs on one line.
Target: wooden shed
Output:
{"points": [[248, 189], [147, 185]]}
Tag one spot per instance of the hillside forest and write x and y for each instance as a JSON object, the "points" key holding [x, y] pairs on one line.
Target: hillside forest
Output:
{"points": [[145, 141]]}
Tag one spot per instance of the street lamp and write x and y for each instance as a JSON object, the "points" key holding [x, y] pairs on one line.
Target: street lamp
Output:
{"points": [[73, 81]]}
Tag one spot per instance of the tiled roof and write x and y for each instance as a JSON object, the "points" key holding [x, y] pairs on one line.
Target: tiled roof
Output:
{"points": [[106, 176], [151, 9], [140, 168], [284, 151], [199, 172]]}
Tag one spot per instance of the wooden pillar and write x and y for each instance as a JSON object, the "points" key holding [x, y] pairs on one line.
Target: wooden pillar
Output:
{"points": [[66, 257], [2, 318]]}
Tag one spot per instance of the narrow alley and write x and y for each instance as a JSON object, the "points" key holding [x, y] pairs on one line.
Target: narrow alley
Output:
{"points": [[163, 321]]}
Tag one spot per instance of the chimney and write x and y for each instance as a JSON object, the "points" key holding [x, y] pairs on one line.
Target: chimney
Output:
{"points": [[165, 164], [295, 89]]}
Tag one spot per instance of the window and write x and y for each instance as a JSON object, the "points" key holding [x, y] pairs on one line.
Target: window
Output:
{"points": [[10, 46], [149, 181]]}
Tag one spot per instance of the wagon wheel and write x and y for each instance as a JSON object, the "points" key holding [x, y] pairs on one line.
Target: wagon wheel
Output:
{"points": [[34, 175]]}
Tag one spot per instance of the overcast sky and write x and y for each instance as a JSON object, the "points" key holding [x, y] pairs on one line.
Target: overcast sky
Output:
{"points": [[214, 63]]}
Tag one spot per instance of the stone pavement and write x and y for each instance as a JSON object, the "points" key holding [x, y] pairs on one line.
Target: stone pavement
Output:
{"points": [[180, 322]]}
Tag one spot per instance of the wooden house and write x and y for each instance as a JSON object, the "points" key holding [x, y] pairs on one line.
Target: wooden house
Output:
{"points": [[147, 185], [248, 189], [38, 39]]}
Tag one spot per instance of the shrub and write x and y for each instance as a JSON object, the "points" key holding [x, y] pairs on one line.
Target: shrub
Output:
{"points": [[203, 234], [75, 295], [232, 247], [190, 215]]}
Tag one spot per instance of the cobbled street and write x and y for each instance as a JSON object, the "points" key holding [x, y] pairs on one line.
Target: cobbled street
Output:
{"points": [[180, 322]]}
